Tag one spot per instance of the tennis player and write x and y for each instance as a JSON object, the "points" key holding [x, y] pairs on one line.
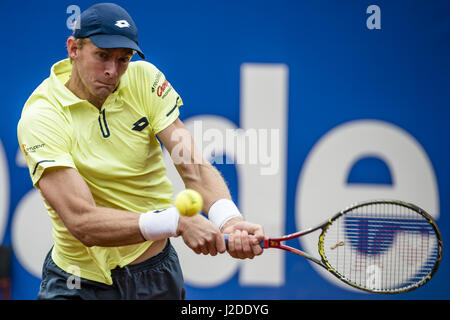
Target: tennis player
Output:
{"points": [[90, 134]]}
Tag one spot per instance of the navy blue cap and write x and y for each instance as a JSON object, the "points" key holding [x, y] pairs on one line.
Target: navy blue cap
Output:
{"points": [[108, 26]]}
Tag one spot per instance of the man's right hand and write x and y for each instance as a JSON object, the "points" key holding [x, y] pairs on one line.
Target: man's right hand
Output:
{"points": [[201, 235]]}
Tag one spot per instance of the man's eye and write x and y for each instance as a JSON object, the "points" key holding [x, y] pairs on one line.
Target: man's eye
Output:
{"points": [[101, 55]]}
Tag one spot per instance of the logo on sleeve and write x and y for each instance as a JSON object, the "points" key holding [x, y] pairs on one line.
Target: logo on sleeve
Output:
{"points": [[160, 90], [155, 83], [163, 89], [26, 149], [140, 124]]}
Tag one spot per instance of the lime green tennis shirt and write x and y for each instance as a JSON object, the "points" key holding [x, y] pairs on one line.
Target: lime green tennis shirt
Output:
{"points": [[115, 150]]}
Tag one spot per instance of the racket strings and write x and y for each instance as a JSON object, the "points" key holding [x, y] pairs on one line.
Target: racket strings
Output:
{"points": [[381, 247]]}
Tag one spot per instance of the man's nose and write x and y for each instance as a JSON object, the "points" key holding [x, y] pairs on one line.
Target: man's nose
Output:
{"points": [[111, 69]]}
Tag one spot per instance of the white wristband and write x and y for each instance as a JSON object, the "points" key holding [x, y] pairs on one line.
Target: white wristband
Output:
{"points": [[221, 211], [159, 224]]}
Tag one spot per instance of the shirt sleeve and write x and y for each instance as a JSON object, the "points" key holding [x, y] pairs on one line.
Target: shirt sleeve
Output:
{"points": [[162, 100], [44, 141]]}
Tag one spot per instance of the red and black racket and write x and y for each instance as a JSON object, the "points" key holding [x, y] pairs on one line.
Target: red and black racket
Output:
{"points": [[381, 246]]}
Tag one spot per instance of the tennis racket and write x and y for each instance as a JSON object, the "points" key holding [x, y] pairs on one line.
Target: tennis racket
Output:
{"points": [[381, 246]]}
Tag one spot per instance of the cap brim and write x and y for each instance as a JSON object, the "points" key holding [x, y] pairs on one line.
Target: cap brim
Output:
{"points": [[111, 41]]}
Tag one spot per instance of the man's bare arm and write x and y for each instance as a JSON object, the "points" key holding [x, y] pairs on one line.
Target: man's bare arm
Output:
{"points": [[68, 194]]}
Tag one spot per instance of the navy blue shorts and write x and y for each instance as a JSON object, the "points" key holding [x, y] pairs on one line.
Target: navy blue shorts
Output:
{"points": [[159, 277]]}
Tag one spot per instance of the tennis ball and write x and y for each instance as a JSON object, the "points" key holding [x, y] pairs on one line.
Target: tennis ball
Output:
{"points": [[189, 202]]}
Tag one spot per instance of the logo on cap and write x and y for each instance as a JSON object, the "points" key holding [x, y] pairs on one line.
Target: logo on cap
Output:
{"points": [[122, 24]]}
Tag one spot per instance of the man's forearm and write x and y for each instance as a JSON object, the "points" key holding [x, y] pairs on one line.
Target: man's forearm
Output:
{"points": [[207, 180], [107, 227]]}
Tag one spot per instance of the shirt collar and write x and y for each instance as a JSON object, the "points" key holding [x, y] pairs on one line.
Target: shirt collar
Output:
{"points": [[60, 74]]}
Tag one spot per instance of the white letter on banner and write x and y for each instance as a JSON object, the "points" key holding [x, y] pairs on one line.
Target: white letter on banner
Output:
{"points": [[264, 107], [322, 188], [4, 191], [31, 223]]}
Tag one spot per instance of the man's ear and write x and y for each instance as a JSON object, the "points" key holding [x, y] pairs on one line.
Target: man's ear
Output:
{"points": [[72, 49]]}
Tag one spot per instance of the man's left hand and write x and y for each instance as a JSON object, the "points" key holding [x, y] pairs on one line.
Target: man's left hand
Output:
{"points": [[244, 238]]}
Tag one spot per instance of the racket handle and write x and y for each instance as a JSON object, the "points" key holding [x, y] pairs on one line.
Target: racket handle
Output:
{"points": [[226, 235]]}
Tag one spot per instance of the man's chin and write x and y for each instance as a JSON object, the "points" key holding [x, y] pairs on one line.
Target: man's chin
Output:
{"points": [[102, 93]]}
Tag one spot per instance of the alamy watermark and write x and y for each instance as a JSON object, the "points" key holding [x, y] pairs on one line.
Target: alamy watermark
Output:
{"points": [[233, 146], [73, 21], [373, 22], [74, 281]]}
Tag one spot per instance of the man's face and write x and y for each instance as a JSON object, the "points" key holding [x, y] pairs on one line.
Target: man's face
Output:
{"points": [[99, 69]]}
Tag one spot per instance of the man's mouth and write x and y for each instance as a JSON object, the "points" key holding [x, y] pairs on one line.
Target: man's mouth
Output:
{"points": [[106, 84]]}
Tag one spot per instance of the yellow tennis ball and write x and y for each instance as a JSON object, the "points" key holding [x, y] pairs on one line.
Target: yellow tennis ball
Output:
{"points": [[189, 202]]}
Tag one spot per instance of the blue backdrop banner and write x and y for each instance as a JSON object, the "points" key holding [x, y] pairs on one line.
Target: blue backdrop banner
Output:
{"points": [[304, 106]]}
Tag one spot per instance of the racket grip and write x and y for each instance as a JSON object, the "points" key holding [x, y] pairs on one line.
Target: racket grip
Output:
{"points": [[226, 235]]}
